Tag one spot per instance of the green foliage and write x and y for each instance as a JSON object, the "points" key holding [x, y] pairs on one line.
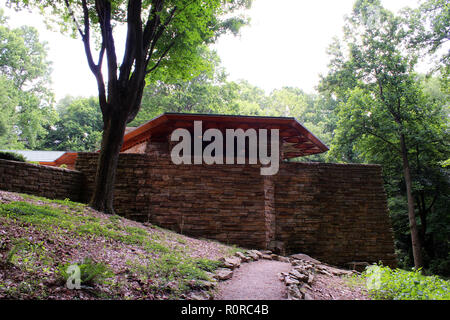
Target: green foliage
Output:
{"points": [[211, 93], [25, 98], [169, 270], [174, 273], [28, 255], [208, 265], [79, 127], [387, 284], [12, 156], [376, 99], [91, 272], [173, 34], [429, 27], [8, 100]]}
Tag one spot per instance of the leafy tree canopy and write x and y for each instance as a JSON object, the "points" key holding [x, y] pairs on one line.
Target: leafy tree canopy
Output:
{"points": [[79, 127], [24, 83]]}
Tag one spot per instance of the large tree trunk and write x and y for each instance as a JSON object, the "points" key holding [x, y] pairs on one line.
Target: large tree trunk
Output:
{"points": [[112, 140], [415, 240]]}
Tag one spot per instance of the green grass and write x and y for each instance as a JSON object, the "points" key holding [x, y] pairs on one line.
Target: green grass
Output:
{"points": [[90, 271], [172, 273], [166, 268], [384, 283], [29, 255], [62, 219]]}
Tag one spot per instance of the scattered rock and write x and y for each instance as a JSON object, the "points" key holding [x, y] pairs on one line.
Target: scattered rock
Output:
{"points": [[294, 293], [231, 263], [299, 276], [199, 296], [207, 284], [282, 275], [304, 257], [310, 278], [256, 252], [202, 284], [307, 296], [267, 256], [241, 256], [325, 272], [290, 280], [254, 256], [340, 272], [223, 274]]}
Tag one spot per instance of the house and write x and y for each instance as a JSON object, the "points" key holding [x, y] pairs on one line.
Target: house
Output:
{"points": [[38, 156], [335, 212]]}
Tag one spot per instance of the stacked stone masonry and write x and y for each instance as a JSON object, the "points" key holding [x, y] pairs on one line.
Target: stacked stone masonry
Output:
{"points": [[44, 181], [334, 212]]}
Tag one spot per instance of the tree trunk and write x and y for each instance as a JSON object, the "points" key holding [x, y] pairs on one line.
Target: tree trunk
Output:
{"points": [[112, 140], [415, 240]]}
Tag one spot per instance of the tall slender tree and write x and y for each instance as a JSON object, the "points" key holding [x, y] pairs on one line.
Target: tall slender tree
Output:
{"points": [[380, 98], [162, 41]]}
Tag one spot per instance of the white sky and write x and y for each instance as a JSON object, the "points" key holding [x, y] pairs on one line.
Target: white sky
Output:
{"points": [[285, 45]]}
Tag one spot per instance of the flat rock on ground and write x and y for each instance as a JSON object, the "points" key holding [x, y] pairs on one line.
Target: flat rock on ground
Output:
{"points": [[255, 281]]}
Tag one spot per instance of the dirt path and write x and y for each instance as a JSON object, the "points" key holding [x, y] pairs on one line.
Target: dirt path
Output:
{"points": [[255, 281]]}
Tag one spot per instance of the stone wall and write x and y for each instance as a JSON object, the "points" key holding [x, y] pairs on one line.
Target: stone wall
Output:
{"points": [[44, 181], [225, 203], [130, 189], [334, 212]]}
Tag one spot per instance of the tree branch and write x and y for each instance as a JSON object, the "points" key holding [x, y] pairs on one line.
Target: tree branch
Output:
{"points": [[131, 46], [86, 39], [152, 22], [103, 8], [432, 203], [367, 130], [73, 17], [161, 58], [96, 69], [101, 54], [158, 35]]}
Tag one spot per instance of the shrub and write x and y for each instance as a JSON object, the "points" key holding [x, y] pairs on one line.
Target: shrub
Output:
{"points": [[91, 272], [12, 156], [387, 284]]}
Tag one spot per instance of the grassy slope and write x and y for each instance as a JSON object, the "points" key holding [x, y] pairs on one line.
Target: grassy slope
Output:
{"points": [[40, 238]]}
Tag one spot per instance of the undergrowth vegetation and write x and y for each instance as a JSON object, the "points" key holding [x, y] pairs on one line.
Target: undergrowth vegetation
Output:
{"points": [[41, 240], [384, 283]]}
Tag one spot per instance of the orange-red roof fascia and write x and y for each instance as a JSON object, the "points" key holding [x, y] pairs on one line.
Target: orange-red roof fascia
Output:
{"points": [[67, 158], [143, 132], [305, 132]]}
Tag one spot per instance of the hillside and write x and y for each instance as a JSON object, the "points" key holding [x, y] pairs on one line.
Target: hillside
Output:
{"points": [[118, 258], [42, 239]]}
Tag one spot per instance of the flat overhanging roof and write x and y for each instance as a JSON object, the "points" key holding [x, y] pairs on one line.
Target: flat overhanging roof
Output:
{"points": [[297, 140], [38, 155]]}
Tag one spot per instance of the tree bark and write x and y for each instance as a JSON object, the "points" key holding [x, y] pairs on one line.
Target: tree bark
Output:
{"points": [[112, 140], [415, 240]]}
